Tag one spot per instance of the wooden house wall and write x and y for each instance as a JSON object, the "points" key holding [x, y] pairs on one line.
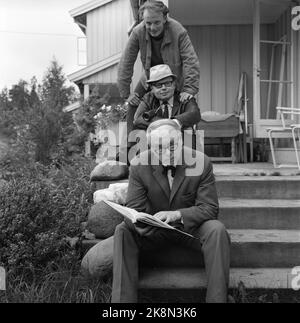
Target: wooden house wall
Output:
{"points": [[108, 75], [224, 51]]}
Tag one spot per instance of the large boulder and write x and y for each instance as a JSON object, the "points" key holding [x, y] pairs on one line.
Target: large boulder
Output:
{"points": [[110, 170], [98, 261], [102, 220]]}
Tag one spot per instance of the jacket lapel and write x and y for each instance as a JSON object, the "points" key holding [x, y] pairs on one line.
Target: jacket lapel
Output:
{"points": [[161, 179], [176, 106]]}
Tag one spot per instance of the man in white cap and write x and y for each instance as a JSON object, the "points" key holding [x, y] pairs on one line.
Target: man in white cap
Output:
{"points": [[164, 101], [165, 183]]}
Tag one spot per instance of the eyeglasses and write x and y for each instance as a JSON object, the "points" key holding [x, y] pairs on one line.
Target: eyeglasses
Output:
{"points": [[160, 149], [160, 85]]}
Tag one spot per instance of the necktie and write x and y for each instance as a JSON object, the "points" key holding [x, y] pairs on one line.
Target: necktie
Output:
{"points": [[172, 168], [165, 114]]}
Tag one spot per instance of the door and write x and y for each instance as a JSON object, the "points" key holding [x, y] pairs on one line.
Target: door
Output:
{"points": [[272, 63]]}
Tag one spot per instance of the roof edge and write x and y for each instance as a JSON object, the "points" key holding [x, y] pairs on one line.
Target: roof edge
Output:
{"points": [[91, 5], [95, 68]]}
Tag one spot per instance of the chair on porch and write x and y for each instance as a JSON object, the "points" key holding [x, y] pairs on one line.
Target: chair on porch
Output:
{"points": [[221, 129], [232, 128], [291, 130]]}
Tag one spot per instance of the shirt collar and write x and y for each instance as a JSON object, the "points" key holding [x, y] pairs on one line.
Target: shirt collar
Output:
{"points": [[170, 101]]}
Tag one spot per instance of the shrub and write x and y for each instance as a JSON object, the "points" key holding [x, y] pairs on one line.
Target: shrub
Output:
{"points": [[39, 208]]}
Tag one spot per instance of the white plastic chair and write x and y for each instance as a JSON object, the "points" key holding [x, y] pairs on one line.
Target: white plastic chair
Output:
{"points": [[291, 131]]}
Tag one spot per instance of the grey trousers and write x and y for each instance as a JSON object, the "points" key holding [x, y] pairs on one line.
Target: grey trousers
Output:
{"points": [[213, 243]]}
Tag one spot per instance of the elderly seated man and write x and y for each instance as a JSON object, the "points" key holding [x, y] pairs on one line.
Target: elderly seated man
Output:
{"points": [[164, 102], [176, 185]]}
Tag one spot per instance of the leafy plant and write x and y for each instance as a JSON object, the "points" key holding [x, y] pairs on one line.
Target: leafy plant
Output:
{"points": [[39, 208], [99, 110]]}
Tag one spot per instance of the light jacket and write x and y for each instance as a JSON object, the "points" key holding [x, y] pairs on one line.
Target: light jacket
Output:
{"points": [[177, 52]]}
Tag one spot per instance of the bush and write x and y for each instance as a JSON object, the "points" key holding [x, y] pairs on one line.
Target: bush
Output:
{"points": [[39, 208]]}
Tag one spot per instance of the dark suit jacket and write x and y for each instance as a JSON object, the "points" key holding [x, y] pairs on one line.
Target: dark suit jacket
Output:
{"points": [[194, 196], [187, 113]]}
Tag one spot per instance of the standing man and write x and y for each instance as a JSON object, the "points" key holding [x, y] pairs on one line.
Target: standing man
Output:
{"points": [[180, 193], [160, 40]]}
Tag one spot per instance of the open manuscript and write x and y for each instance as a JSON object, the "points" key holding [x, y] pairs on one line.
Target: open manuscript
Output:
{"points": [[145, 218]]}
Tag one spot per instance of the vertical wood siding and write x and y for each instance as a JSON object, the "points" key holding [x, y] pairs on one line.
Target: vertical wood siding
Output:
{"points": [[108, 75], [224, 53], [107, 30], [106, 36]]}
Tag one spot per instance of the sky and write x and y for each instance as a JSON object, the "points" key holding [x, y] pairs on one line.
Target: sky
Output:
{"points": [[32, 33]]}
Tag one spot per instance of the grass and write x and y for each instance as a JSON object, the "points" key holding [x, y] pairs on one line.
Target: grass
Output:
{"points": [[67, 287], [56, 287]]}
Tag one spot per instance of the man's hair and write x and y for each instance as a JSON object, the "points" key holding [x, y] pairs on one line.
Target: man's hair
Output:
{"points": [[156, 6], [162, 122]]}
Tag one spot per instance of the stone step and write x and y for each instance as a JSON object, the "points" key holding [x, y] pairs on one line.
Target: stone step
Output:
{"points": [[249, 249], [260, 214], [263, 187], [246, 187], [195, 278]]}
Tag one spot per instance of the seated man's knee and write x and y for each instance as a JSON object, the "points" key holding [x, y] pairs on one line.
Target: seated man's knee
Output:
{"points": [[121, 228], [217, 229]]}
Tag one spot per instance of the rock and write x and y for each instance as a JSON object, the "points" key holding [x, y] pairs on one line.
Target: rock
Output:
{"points": [[102, 220], [98, 261], [115, 193], [103, 195], [120, 192], [110, 170]]}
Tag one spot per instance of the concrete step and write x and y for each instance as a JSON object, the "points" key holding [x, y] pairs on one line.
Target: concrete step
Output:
{"points": [[263, 187], [265, 248], [246, 187], [249, 249], [195, 278], [260, 214]]}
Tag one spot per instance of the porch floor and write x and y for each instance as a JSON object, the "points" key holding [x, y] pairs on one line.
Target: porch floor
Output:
{"points": [[253, 169]]}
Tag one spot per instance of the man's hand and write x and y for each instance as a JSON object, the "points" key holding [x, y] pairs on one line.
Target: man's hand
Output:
{"points": [[168, 216], [184, 96], [134, 99]]}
